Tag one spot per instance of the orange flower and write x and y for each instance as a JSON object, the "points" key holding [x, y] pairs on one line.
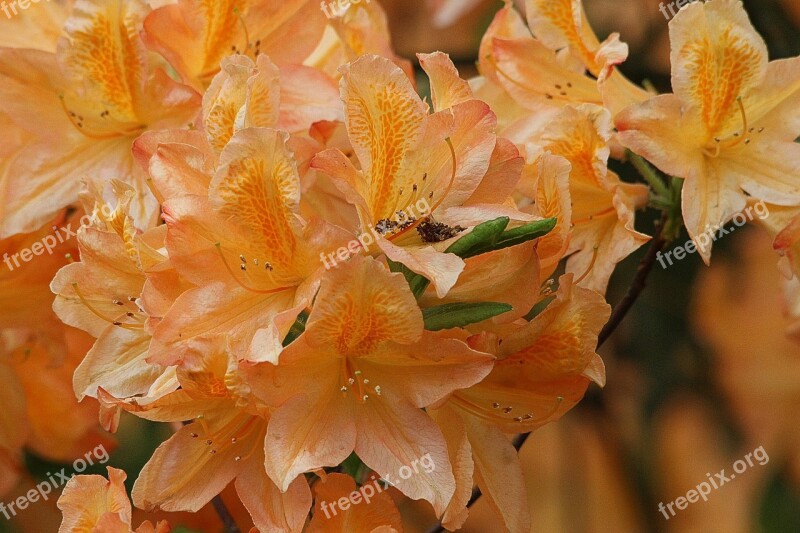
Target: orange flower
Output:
{"points": [[730, 126], [92, 503], [254, 262], [356, 380], [544, 64], [417, 166], [195, 35], [225, 442], [602, 206], [542, 371], [84, 105]]}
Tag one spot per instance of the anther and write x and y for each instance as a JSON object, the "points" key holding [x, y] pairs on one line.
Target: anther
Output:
{"points": [[507, 409], [496, 405]]}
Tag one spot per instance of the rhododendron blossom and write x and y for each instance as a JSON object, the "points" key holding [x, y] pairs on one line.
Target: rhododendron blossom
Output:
{"points": [[310, 273]]}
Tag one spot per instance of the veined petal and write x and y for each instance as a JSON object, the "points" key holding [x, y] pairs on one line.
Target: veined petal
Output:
{"points": [[117, 363], [258, 187], [447, 87], [186, 472], [326, 419], [104, 56], [271, 509], [531, 73], [386, 121], [499, 474], [360, 305], [427, 371], [717, 57], [392, 434], [711, 196], [562, 23]]}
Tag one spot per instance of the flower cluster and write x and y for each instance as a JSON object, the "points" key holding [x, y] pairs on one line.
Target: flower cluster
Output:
{"points": [[224, 148]]}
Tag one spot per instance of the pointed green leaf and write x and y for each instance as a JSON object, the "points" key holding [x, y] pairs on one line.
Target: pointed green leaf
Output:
{"points": [[457, 315], [482, 236]]}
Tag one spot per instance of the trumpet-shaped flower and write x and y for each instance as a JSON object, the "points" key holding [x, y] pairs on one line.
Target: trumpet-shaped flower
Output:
{"points": [[730, 126], [356, 379], [83, 106]]}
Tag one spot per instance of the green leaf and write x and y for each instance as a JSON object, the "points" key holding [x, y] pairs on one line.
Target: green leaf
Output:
{"points": [[457, 315], [492, 236], [482, 236], [297, 328], [525, 233], [416, 282]]}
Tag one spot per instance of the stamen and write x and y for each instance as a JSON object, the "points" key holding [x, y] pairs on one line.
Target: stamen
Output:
{"points": [[90, 307], [218, 246], [589, 269]]}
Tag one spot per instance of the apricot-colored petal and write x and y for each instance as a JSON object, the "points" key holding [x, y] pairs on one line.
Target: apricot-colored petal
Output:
{"points": [[509, 276], [105, 274], [307, 96], [257, 185], [385, 120], [326, 419], [361, 304], [117, 363], [460, 453], [441, 268], [271, 509], [210, 310], [530, 72], [499, 474], [447, 88], [426, 371], [659, 131], [391, 435], [226, 96], [367, 513], [716, 57], [562, 23], [106, 61], [86, 500], [179, 162], [185, 473], [502, 176]]}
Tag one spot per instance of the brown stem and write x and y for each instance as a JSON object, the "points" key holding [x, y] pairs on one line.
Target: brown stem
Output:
{"points": [[637, 286], [225, 515]]}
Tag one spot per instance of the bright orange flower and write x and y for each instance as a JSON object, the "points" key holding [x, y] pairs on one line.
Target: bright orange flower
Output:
{"points": [[196, 35], [94, 503], [544, 64], [420, 169], [602, 206], [224, 443], [254, 262], [730, 126], [356, 380], [84, 105], [542, 371], [376, 513]]}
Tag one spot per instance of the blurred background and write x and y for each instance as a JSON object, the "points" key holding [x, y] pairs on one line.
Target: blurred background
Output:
{"points": [[700, 373]]}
